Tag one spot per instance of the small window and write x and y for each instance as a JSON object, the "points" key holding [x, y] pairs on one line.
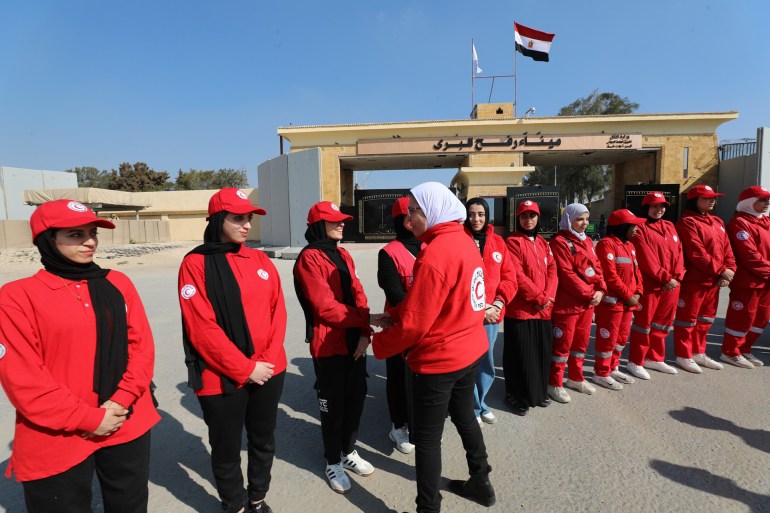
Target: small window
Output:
{"points": [[685, 162]]}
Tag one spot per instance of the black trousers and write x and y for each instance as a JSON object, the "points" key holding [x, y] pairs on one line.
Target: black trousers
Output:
{"points": [[396, 391], [433, 396], [123, 471], [341, 388], [254, 407]]}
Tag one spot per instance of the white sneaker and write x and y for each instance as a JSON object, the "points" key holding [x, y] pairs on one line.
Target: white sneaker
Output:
{"points": [[754, 360], [489, 417], [607, 382], [559, 395], [688, 364], [400, 436], [661, 367], [738, 361], [357, 464], [703, 360], [621, 376], [338, 479], [478, 419], [584, 387], [637, 370]]}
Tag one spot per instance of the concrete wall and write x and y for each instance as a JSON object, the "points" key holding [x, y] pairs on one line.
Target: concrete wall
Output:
{"points": [[14, 181], [734, 176], [17, 234]]}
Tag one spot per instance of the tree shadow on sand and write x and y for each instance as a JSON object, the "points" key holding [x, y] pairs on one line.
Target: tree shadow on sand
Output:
{"points": [[711, 483], [756, 438]]}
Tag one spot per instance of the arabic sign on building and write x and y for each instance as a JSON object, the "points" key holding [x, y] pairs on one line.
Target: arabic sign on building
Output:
{"points": [[498, 143]]}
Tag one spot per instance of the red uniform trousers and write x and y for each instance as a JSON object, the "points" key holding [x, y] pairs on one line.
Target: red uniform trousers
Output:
{"points": [[651, 326], [571, 334], [695, 313], [612, 328], [745, 324]]}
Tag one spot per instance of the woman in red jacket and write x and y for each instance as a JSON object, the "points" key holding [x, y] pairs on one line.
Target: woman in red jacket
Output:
{"points": [[749, 311], [710, 265], [76, 361], [528, 331], [234, 322], [581, 288], [338, 330], [661, 262], [440, 327], [500, 286], [624, 289]]}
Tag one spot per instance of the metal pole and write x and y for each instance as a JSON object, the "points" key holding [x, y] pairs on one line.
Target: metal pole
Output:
{"points": [[554, 176], [473, 76], [515, 86]]}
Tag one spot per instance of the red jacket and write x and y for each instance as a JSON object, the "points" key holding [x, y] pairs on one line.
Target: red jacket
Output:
{"points": [[263, 306], [47, 351], [442, 316], [750, 239], [706, 248], [579, 272], [621, 272], [535, 274], [659, 252], [320, 282], [499, 271]]}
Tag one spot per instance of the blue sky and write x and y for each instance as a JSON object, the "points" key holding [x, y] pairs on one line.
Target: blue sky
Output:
{"points": [[184, 84]]}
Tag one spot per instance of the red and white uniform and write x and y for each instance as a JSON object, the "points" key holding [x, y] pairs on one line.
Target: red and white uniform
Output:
{"points": [[580, 277], [404, 262], [320, 282], [707, 254], [499, 271], [535, 275], [613, 317], [47, 351], [749, 309], [659, 252], [263, 306], [442, 315]]}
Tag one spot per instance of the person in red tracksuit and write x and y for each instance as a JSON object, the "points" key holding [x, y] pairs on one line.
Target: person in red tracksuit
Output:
{"points": [[441, 329], [710, 265], [233, 328], [659, 252], [581, 288], [624, 289], [528, 332], [500, 285], [76, 362], [338, 329], [395, 273], [749, 310]]}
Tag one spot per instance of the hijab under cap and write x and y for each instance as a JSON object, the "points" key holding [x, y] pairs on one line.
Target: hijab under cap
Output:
{"points": [[571, 212], [747, 207], [438, 204]]}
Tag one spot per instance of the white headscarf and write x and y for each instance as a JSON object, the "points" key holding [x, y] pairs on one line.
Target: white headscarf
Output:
{"points": [[438, 204], [572, 211], [747, 206]]}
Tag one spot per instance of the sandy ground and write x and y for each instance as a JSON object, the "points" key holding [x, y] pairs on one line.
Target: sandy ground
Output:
{"points": [[675, 443]]}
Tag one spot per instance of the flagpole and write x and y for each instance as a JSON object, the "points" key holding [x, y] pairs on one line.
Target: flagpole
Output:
{"points": [[515, 85], [473, 75]]}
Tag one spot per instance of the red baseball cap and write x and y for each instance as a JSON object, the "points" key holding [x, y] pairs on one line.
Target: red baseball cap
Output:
{"points": [[655, 198], [233, 200], [400, 207], [702, 191], [63, 213], [624, 216], [326, 211], [527, 206], [755, 191]]}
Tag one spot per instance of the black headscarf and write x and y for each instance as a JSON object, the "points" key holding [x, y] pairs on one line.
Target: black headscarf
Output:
{"points": [[529, 233], [619, 230], [692, 204], [480, 237], [109, 307], [224, 294], [317, 239], [406, 237]]}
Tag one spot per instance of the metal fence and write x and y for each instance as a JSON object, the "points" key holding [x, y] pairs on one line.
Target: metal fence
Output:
{"points": [[734, 149]]}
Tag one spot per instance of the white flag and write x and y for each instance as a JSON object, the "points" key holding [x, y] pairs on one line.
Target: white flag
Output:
{"points": [[475, 60]]}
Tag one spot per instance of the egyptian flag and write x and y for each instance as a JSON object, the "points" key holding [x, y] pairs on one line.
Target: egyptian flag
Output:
{"points": [[531, 42]]}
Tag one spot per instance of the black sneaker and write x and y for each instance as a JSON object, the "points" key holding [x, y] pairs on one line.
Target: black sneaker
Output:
{"points": [[545, 402], [516, 406], [262, 507], [476, 488]]}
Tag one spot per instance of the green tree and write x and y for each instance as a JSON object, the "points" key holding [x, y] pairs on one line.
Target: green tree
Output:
{"points": [[582, 183], [91, 177], [195, 179], [138, 177]]}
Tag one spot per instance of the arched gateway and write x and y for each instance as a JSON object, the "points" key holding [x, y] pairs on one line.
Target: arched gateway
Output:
{"points": [[492, 151]]}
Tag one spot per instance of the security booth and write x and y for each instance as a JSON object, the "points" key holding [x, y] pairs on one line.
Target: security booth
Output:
{"points": [[634, 194], [547, 199]]}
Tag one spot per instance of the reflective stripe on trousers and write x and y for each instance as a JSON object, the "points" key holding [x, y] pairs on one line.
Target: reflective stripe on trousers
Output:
{"points": [[646, 331]]}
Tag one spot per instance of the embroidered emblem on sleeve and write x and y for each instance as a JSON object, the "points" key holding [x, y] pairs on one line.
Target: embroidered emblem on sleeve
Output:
{"points": [[497, 256], [742, 235], [2, 351], [478, 293], [187, 291], [610, 256]]}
